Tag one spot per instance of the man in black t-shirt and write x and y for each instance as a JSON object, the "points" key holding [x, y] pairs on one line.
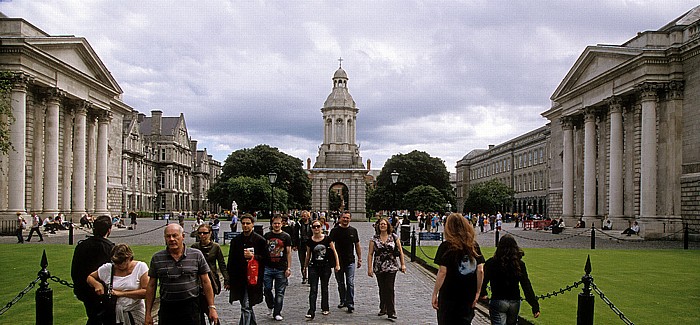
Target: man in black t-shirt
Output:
{"points": [[278, 268], [346, 239]]}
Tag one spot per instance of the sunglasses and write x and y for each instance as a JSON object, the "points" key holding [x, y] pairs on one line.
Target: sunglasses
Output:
{"points": [[316, 226], [203, 232]]}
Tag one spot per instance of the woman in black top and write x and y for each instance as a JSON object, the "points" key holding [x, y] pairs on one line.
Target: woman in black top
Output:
{"points": [[506, 271], [320, 258]]}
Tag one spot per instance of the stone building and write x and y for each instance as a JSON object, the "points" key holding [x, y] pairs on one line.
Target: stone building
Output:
{"points": [[77, 147], [520, 163], [338, 165], [624, 125]]}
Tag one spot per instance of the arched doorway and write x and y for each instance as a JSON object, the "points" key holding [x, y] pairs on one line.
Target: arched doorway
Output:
{"points": [[338, 197]]}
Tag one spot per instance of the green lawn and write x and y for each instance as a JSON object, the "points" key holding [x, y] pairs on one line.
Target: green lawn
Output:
{"points": [[648, 286]]}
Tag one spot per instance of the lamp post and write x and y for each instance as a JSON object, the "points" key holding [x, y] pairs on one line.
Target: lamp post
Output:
{"points": [[394, 179], [155, 200], [272, 177]]}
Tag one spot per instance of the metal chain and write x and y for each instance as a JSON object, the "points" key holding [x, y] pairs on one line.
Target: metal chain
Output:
{"points": [[611, 305], [141, 233], [560, 291], [63, 282], [424, 254], [546, 240], [19, 296]]}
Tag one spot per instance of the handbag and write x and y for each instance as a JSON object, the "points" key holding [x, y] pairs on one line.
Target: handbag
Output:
{"points": [[108, 303]]}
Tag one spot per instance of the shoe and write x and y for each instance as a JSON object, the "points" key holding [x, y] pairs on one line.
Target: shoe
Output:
{"points": [[310, 315], [392, 316], [381, 313], [341, 306], [279, 318], [270, 311], [41, 240], [303, 281], [326, 312], [350, 310]]}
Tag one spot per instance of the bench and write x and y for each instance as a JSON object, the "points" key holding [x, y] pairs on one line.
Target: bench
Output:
{"points": [[229, 235]]}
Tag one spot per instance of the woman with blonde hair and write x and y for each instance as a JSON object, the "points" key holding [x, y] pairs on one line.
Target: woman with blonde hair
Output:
{"points": [[461, 273]]}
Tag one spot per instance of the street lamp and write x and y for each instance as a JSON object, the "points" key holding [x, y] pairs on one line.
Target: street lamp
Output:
{"points": [[155, 199], [394, 178], [272, 177]]}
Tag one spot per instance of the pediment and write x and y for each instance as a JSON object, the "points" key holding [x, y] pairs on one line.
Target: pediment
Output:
{"points": [[593, 63], [76, 53]]}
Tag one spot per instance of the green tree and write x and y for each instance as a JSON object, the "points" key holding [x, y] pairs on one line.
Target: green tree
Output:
{"points": [[334, 201], [424, 198], [6, 119], [261, 160], [488, 197], [414, 168], [251, 194]]}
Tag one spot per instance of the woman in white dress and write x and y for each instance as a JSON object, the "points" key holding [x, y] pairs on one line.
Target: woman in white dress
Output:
{"points": [[130, 280]]}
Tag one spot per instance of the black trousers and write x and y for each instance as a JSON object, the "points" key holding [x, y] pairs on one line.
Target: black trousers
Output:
{"points": [[301, 252], [385, 281], [185, 312]]}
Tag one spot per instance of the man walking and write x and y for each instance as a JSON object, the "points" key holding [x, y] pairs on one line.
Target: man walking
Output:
{"points": [[302, 233], [21, 225], [345, 238], [179, 270], [277, 270], [90, 254], [247, 288], [36, 227]]}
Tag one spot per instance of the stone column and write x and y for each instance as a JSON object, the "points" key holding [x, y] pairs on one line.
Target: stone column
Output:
{"points": [[38, 160], [79, 162], [101, 166], [91, 156], [18, 138], [615, 193], [53, 102], [67, 161], [568, 167], [589, 164], [648, 96]]}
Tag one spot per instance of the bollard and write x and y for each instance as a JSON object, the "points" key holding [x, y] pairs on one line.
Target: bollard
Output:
{"points": [[497, 237], [685, 236], [70, 234], [586, 300], [592, 238], [44, 295], [413, 244]]}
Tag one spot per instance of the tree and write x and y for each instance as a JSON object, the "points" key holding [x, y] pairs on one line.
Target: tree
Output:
{"points": [[251, 194], [261, 160], [6, 118], [424, 198], [415, 168], [334, 201], [488, 197]]}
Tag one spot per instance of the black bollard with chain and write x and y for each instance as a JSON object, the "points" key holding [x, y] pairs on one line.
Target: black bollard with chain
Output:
{"points": [[44, 295], [413, 244], [586, 300], [497, 237], [592, 238], [685, 236], [70, 234]]}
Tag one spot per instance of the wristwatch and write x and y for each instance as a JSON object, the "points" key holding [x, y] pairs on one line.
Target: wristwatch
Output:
{"points": [[212, 307]]}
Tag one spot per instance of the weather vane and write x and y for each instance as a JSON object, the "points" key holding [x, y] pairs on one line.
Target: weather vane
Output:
{"points": [[341, 61]]}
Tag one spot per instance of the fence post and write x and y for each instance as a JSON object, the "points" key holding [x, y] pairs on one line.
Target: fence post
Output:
{"points": [[685, 236], [497, 237], [44, 295], [70, 234], [592, 237], [413, 244], [586, 300]]}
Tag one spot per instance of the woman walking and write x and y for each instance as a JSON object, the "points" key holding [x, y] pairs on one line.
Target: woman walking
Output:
{"points": [[320, 256], [506, 271], [212, 253], [458, 284], [384, 247], [127, 279]]}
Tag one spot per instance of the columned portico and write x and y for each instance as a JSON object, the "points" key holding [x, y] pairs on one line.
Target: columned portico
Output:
{"points": [[589, 164]]}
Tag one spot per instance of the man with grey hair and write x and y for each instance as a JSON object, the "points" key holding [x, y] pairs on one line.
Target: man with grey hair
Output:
{"points": [[179, 269]]}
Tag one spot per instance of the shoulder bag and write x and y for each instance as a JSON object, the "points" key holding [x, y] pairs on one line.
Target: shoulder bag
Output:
{"points": [[108, 302]]}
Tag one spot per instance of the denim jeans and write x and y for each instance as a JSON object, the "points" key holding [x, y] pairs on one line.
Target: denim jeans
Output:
{"points": [[215, 235], [324, 274], [247, 314], [504, 311], [280, 282], [346, 285]]}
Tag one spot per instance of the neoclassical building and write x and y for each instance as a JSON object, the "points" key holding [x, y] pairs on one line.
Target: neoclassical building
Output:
{"points": [[624, 131], [520, 163], [76, 146], [338, 165]]}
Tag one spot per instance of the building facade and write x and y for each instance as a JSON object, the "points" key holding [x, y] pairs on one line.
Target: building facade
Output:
{"points": [[76, 146], [338, 165]]}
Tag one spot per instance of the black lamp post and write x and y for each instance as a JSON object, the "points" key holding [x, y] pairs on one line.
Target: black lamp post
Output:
{"points": [[272, 177], [394, 179], [155, 200]]}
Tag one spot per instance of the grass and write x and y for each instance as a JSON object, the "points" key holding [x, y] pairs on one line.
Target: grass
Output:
{"points": [[648, 286]]}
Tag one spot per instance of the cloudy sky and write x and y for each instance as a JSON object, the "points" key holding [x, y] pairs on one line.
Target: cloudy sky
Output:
{"points": [[444, 77]]}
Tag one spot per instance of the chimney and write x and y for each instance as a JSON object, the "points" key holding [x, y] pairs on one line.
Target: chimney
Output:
{"points": [[308, 163], [369, 164], [491, 146], [141, 117], [156, 122], [193, 146]]}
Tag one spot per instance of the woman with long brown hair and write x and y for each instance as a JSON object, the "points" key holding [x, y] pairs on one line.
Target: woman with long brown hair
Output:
{"points": [[384, 247], [458, 284], [506, 271]]}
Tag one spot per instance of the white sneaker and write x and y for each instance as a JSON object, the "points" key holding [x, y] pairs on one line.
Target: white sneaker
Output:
{"points": [[269, 313], [279, 317]]}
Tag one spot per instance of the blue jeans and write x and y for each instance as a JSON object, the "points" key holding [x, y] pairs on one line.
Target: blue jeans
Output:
{"points": [[247, 314], [324, 274], [504, 311], [215, 235], [274, 302], [346, 275]]}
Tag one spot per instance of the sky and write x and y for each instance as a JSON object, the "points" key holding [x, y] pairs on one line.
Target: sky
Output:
{"points": [[444, 77]]}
